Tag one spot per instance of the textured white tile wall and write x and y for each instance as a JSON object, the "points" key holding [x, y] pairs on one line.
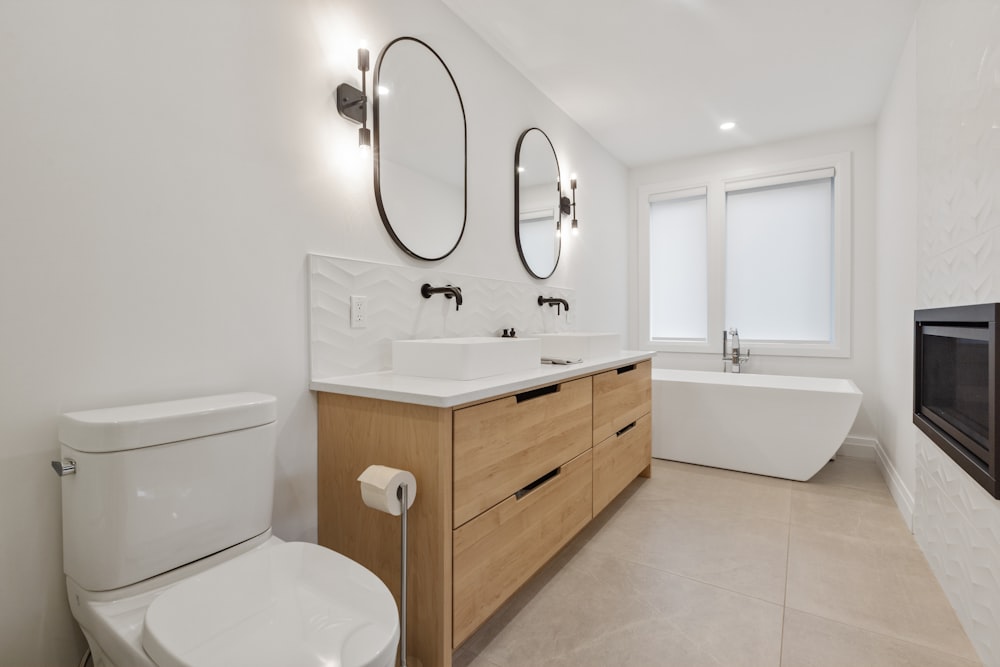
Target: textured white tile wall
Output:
{"points": [[958, 262], [957, 525], [397, 311]]}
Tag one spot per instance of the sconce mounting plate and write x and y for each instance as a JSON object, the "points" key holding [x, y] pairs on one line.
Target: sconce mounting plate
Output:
{"points": [[351, 103]]}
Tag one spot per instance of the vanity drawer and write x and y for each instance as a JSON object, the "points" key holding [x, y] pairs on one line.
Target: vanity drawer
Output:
{"points": [[620, 397], [503, 445], [498, 551], [619, 459]]}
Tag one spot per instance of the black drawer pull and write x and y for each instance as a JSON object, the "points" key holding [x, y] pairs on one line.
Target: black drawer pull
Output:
{"points": [[626, 369], [537, 483], [626, 429], [535, 393]]}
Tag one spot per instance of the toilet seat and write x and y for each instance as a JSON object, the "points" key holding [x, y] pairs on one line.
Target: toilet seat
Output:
{"points": [[294, 604]]}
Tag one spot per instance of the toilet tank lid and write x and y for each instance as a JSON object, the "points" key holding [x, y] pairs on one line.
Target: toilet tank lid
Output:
{"points": [[136, 426]]}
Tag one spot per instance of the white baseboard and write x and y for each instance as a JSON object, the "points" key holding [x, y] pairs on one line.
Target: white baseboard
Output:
{"points": [[858, 447], [902, 495]]}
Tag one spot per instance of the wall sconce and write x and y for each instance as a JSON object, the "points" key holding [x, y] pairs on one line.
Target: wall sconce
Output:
{"points": [[574, 226], [567, 207], [352, 103]]}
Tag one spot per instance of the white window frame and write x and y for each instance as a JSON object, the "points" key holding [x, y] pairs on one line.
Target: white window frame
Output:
{"points": [[717, 187]]}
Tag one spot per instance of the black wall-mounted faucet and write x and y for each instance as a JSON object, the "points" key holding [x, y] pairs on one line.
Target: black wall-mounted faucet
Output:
{"points": [[558, 303], [449, 291]]}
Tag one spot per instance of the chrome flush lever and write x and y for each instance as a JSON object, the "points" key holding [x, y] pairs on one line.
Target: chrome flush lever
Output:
{"points": [[64, 467]]}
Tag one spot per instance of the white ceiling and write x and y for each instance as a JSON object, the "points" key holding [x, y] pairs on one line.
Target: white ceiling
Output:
{"points": [[652, 80]]}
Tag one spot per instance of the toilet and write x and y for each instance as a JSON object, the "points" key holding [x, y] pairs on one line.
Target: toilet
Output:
{"points": [[168, 552]]}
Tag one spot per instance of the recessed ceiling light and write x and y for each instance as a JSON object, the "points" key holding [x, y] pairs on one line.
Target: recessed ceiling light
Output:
{"points": [[728, 125]]}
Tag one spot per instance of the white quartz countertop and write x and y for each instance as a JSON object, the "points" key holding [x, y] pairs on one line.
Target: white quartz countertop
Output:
{"points": [[437, 393]]}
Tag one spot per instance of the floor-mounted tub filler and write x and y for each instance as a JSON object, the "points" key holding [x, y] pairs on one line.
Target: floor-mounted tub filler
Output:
{"points": [[776, 425]]}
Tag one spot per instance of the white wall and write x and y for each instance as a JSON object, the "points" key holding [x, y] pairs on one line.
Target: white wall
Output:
{"points": [[895, 282], [860, 367], [165, 169]]}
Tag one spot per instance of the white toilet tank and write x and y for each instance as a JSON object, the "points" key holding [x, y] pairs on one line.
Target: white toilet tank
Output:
{"points": [[161, 485]]}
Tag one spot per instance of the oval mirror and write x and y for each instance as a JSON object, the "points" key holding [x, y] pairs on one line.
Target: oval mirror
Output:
{"points": [[419, 151], [537, 203]]}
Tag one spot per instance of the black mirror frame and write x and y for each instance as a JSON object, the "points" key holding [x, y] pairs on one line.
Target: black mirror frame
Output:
{"points": [[375, 152], [517, 202]]}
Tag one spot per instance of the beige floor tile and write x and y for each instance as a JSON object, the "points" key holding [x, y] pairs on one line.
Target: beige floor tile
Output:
{"points": [[466, 658], [722, 473], [811, 641], [600, 610], [739, 552], [854, 473], [846, 511], [875, 585], [724, 495]]}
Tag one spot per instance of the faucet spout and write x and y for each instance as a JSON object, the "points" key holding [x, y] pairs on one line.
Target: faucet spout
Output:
{"points": [[552, 301], [449, 291]]}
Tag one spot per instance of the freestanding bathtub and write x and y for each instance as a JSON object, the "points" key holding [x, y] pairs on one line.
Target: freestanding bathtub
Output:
{"points": [[782, 426]]}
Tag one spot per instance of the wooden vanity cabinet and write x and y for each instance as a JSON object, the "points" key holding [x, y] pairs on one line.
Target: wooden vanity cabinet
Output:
{"points": [[620, 459], [502, 485], [623, 440], [505, 444], [621, 396], [499, 550]]}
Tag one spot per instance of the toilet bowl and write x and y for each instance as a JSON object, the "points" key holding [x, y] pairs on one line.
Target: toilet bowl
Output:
{"points": [[169, 556]]}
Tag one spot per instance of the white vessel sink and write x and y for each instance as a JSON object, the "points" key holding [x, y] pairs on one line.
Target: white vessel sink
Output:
{"points": [[574, 345], [464, 358]]}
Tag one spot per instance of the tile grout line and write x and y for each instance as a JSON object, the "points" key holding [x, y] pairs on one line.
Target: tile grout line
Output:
{"points": [[876, 633], [689, 578], [784, 599]]}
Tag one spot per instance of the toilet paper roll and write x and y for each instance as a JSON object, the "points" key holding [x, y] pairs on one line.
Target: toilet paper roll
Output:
{"points": [[380, 488]]}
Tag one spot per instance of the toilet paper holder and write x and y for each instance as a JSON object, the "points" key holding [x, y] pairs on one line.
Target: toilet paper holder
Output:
{"points": [[403, 492], [383, 475]]}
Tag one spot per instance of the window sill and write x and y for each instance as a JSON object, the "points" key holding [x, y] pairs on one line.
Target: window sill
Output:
{"points": [[757, 348]]}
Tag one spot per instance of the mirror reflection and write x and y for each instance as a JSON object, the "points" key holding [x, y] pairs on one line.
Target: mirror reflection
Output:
{"points": [[537, 203], [420, 152]]}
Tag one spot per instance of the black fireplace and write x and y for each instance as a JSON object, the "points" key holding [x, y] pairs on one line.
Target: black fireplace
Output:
{"points": [[955, 376]]}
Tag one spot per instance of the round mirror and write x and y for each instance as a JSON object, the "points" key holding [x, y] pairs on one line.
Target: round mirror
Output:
{"points": [[419, 150], [537, 199]]}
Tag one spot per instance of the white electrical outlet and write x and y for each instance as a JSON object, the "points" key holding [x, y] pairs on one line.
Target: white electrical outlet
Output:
{"points": [[359, 312]]}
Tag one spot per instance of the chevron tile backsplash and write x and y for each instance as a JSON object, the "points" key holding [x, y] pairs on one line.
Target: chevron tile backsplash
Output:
{"points": [[396, 311]]}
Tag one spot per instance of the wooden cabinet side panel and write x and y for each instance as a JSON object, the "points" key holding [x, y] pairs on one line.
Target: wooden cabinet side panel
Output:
{"points": [[620, 459], [503, 445], [356, 432], [620, 399]]}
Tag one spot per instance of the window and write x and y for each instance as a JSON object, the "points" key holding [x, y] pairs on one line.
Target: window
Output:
{"points": [[766, 253], [678, 275], [779, 261]]}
